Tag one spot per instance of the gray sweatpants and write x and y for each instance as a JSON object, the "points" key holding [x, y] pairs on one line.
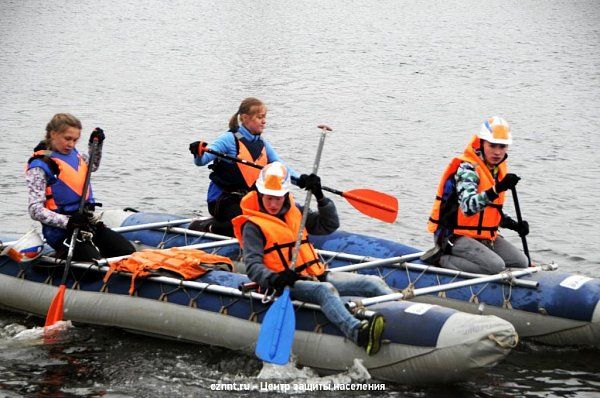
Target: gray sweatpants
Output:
{"points": [[483, 257]]}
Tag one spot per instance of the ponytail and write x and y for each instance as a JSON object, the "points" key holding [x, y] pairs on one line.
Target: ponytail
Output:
{"points": [[233, 123]]}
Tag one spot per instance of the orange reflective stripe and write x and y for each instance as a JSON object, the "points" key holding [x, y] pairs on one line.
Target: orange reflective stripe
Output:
{"points": [[250, 174], [482, 225], [72, 178], [279, 233]]}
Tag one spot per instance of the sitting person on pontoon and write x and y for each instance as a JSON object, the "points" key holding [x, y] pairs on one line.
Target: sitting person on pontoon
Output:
{"points": [[55, 177], [230, 181], [468, 206], [267, 231]]}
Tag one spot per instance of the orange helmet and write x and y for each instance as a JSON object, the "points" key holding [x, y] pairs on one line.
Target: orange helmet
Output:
{"points": [[274, 179], [496, 131]]}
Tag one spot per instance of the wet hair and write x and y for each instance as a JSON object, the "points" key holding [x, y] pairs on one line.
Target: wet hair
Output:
{"points": [[59, 123], [249, 106]]}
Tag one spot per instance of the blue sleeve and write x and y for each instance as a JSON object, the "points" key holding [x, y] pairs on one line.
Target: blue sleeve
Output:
{"points": [[225, 143]]}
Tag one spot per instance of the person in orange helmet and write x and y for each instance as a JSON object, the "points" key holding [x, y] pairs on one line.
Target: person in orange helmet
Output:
{"points": [[467, 210], [267, 230]]}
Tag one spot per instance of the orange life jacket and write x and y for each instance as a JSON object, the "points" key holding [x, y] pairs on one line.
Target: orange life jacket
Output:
{"points": [[63, 192], [238, 177], [186, 263], [280, 237], [250, 174], [482, 225]]}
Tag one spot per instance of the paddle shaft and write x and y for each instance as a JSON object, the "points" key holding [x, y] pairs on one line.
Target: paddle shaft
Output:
{"points": [[324, 130], [520, 220], [86, 186], [257, 166], [334, 191]]}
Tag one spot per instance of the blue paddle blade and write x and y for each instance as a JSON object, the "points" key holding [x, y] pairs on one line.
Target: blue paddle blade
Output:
{"points": [[276, 335]]}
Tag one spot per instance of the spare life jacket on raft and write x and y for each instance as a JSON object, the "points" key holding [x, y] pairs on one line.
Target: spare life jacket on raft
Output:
{"points": [[184, 263]]}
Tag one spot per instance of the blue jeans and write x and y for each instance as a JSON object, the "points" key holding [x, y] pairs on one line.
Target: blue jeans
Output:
{"points": [[327, 295]]}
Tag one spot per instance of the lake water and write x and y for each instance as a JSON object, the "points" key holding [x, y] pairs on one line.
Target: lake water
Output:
{"points": [[403, 85]]}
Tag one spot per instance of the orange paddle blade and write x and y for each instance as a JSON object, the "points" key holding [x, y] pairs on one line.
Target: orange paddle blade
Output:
{"points": [[55, 312], [374, 204]]}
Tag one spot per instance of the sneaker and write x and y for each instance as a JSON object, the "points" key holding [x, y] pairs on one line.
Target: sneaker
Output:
{"points": [[201, 225], [369, 333]]}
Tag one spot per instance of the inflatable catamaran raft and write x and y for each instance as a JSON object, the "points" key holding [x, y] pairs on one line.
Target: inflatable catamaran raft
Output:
{"points": [[423, 343], [550, 307]]}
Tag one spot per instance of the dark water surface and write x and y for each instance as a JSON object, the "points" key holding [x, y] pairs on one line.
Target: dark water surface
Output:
{"points": [[403, 84]]}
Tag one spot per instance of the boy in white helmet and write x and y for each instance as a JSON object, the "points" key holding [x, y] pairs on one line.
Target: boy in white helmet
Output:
{"points": [[267, 231], [467, 211]]}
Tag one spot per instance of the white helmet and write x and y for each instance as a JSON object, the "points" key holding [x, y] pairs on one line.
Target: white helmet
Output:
{"points": [[29, 247], [274, 179], [496, 131]]}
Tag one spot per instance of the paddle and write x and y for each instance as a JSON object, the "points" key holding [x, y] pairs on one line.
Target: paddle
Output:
{"points": [[56, 309], [520, 220], [372, 203], [276, 335]]}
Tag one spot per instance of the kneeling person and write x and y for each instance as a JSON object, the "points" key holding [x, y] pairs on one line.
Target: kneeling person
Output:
{"points": [[267, 230], [468, 208], [55, 177]]}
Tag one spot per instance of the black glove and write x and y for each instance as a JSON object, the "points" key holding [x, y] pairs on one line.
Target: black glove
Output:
{"points": [[98, 133], [522, 228], [311, 183], [284, 278], [197, 148], [82, 221], [508, 182]]}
